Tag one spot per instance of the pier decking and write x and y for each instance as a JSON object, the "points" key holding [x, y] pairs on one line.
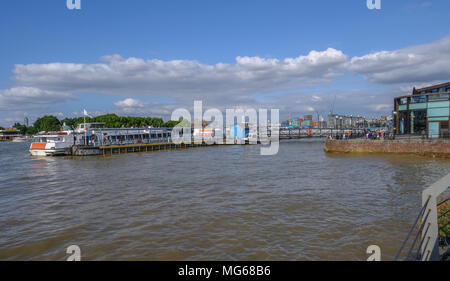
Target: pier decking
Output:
{"points": [[130, 148]]}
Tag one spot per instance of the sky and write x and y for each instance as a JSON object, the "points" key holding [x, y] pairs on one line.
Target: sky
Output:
{"points": [[149, 57]]}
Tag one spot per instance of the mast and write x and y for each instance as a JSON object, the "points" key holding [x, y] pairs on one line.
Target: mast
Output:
{"points": [[85, 113]]}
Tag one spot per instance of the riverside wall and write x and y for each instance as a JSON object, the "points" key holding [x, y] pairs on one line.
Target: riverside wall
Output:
{"points": [[425, 147]]}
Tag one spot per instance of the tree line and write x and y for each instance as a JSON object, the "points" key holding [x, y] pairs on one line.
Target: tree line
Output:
{"points": [[52, 123]]}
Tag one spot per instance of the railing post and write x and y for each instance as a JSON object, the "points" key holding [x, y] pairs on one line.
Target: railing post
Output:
{"points": [[430, 246]]}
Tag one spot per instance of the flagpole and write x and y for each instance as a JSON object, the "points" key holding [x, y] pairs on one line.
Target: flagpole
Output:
{"points": [[85, 113], [85, 128]]}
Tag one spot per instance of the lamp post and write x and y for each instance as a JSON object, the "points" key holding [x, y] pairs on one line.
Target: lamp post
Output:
{"points": [[318, 121], [394, 115]]}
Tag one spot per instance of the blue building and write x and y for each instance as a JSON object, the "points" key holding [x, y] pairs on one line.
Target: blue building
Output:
{"points": [[425, 112], [237, 132]]}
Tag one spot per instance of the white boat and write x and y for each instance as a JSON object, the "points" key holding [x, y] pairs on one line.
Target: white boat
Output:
{"points": [[94, 135], [20, 139], [53, 143]]}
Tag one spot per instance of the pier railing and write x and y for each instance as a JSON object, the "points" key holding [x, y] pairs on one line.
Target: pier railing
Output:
{"points": [[296, 133], [129, 141], [425, 245], [123, 136], [422, 136]]}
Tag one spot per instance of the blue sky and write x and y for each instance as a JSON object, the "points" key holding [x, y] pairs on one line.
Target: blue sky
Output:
{"points": [[62, 73]]}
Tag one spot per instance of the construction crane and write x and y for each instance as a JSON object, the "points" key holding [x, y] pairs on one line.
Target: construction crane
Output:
{"points": [[332, 105]]}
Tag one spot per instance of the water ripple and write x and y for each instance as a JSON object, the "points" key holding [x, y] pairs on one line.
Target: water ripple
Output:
{"points": [[214, 203]]}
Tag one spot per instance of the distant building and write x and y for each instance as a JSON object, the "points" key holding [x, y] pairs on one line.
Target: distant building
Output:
{"points": [[306, 123], [237, 132], [308, 117], [9, 134], [383, 122], [296, 122], [293, 122], [343, 121], [323, 124], [426, 111]]}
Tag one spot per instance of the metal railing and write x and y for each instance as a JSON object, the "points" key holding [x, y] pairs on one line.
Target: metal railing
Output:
{"points": [[405, 137], [294, 133], [423, 136], [123, 136], [425, 245]]}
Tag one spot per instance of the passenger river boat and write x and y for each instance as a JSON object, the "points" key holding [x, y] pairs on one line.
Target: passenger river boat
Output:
{"points": [[93, 135]]}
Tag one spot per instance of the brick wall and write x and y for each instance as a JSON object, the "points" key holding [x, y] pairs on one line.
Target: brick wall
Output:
{"points": [[435, 148]]}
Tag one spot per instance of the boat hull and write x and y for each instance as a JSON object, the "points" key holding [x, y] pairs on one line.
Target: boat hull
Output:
{"points": [[49, 152]]}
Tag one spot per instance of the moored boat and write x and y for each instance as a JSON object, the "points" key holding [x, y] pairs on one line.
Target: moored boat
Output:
{"points": [[21, 139], [52, 143], [92, 136]]}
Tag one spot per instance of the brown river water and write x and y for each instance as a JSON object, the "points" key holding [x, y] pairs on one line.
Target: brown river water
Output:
{"points": [[210, 203]]}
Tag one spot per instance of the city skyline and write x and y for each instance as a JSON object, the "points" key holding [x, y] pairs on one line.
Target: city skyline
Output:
{"points": [[139, 58]]}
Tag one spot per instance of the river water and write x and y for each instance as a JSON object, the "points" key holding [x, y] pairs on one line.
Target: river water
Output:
{"points": [[210, 203]]}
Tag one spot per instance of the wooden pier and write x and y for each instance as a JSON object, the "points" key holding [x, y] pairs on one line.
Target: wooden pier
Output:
{"points": [[148, 147]]}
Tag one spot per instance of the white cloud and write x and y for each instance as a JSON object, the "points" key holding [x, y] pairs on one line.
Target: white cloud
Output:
{"points": [[316, 98], [129, 103], [418, 64], [267, 82], [381, 107], [220, 85], [139, 77], [130, 106], [29, 98], [136, 76]]}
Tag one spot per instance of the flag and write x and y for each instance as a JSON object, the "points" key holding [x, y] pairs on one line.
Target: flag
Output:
{"points": [[85, 113]]}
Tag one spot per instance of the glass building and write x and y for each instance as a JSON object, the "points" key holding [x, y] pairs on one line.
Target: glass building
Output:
{"points": [[425, 112]]}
